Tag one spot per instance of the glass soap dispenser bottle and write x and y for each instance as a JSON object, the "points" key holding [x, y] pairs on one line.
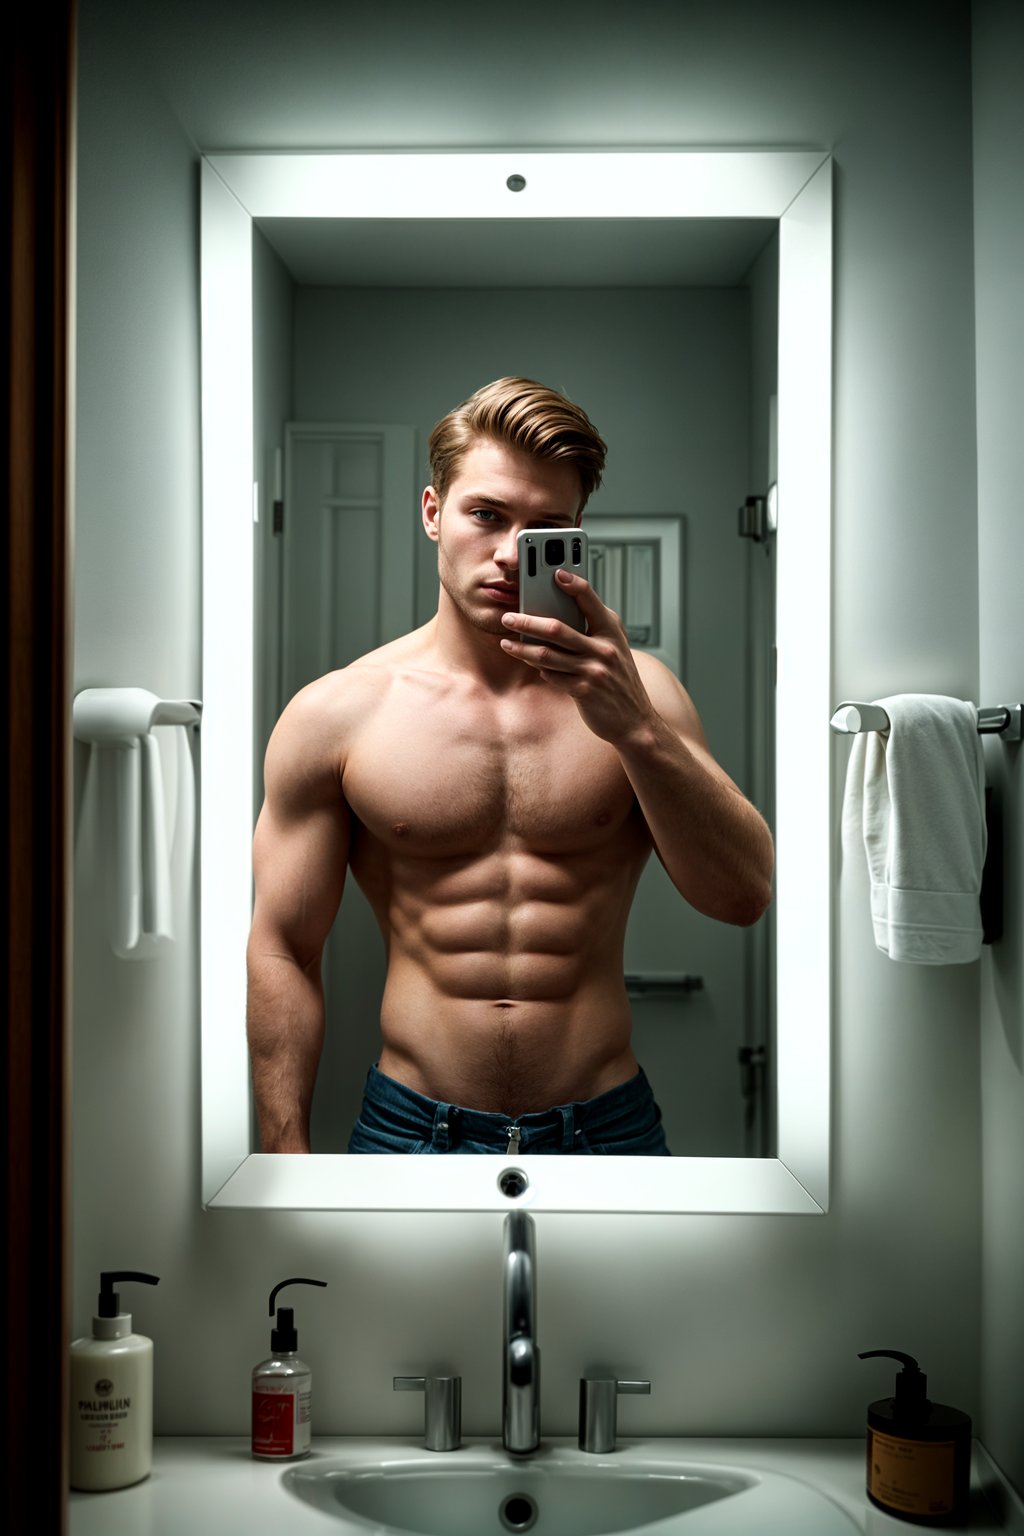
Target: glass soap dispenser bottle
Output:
{"points": [[282, 1390], [918, 1452]]}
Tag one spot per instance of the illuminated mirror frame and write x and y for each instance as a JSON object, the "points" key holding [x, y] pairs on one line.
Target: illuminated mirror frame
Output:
{"points": [[796, 189]]}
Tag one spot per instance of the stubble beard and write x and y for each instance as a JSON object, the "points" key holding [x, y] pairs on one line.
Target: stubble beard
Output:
{"points": [[478, 615]]}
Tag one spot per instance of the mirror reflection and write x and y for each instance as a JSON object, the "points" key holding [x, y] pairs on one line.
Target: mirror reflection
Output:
{"points": [[506, 940]]}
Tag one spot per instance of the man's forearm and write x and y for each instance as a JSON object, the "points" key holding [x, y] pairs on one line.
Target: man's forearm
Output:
{"points": [[285, 1020], [714, 844]]}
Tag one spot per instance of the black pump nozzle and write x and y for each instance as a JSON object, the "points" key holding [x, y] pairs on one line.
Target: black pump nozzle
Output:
{"points": [[284, 1336], [911, 1383], [109, 1304]]}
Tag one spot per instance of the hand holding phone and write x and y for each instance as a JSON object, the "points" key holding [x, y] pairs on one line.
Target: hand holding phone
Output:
{"points": [[542, 552]]}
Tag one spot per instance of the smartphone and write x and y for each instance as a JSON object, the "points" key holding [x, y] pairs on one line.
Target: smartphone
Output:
{"points": [[542, 552]]}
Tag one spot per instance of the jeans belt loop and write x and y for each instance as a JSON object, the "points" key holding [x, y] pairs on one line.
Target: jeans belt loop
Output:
{"points": [[568, 1114]]}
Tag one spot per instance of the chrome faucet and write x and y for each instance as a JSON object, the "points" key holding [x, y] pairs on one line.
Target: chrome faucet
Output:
{"points": [[520, 1361]]}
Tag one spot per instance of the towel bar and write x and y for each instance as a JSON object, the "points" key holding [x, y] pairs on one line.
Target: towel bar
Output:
{"points": [[850, 717], [117, 723], [662, 984]]}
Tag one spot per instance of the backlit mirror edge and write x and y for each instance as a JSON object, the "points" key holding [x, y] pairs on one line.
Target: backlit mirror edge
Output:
{"points": [[797, 1181]]}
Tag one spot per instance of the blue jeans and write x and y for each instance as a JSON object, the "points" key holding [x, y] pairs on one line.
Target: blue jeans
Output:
{"points": [[625, 1121]]}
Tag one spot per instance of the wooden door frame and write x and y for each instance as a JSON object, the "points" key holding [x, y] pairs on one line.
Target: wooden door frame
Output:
{"points": [[38, 170]]}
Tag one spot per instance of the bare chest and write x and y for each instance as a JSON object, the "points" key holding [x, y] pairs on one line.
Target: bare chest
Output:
{"points": [[449, 775]]}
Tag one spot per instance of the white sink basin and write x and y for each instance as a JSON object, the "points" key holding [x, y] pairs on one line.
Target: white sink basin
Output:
{"points": [[483, 1491]]}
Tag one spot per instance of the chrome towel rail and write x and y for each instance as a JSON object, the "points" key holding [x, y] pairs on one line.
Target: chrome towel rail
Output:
{"points": [[852, 717], [662, 984]]}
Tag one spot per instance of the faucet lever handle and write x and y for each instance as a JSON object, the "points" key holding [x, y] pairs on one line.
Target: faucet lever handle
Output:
{"points": [[598, 1410], [442, 1408]]}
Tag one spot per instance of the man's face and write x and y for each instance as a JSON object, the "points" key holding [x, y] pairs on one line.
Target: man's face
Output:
{"points": [[496, 493]]}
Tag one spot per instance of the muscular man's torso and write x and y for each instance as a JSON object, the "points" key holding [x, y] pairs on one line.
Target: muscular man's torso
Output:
{"points": [[499, 844]]}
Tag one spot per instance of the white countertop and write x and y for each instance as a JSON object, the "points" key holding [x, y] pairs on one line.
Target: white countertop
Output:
{"points": [[213, 1485]]}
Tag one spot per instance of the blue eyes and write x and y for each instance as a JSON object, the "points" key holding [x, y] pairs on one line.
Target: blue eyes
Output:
{"points": [[490, 515]]}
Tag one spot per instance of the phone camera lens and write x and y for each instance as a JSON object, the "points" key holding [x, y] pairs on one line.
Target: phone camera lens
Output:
{"points": [[577, 551], [554, 552]]}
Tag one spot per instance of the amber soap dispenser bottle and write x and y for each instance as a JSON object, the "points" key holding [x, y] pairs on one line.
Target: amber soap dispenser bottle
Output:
{"points": [[918, 1452]]}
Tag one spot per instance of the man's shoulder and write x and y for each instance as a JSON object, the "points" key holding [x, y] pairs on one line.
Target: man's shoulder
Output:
{"points": [[309, 744], [668, 695], [330, 708], [334, 703], [654, 671]]}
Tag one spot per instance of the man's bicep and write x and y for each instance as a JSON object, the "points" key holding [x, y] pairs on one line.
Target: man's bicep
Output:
{"points": [[300, 854], [672, 702], [678, 710]]}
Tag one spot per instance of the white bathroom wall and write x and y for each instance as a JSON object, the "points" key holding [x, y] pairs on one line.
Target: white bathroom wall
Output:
{"points": [[762, 558], [137, 623], [762, 282], [998, 58], [746, 1325], [273, 295]]}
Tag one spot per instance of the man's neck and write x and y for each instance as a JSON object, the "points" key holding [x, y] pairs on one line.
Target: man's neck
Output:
{"points": [[461, 647]]}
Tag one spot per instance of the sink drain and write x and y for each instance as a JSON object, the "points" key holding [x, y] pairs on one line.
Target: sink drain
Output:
{"points": [[518, 1512]]}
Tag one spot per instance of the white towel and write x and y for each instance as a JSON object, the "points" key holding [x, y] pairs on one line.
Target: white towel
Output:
{"points": [[141, 848], [916, 795]]}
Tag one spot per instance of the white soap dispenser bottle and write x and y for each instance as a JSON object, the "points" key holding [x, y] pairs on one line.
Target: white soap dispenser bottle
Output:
{"points": [[111, 1382], [282, 1389]]}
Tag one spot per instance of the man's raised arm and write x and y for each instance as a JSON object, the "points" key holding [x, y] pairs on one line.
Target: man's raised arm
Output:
{"points": [[300, 852], [715, 846]]}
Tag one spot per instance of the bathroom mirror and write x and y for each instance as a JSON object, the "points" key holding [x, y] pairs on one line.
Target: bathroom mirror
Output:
{"points": [[793, 189]]}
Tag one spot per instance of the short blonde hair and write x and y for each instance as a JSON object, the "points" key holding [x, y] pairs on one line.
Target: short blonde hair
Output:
{"points": [[526, 416]]}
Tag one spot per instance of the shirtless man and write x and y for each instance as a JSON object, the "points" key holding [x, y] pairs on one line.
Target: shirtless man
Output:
{"points": [[496, 799]]}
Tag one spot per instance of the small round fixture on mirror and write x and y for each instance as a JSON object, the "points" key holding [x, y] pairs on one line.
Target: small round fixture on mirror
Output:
{"points": [[516, 183], [513, 1182]]}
